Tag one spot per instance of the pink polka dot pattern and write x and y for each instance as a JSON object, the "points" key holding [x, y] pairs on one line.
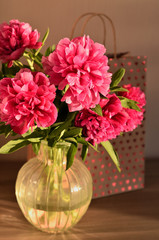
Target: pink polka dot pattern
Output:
{"points": [[130, 147]]}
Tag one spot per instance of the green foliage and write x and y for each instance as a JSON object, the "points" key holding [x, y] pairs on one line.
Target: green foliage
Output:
{"points": [[13, 145], [97, 110], [57, 133], [43, 41], [49, 50], [33, 138], [9, 72], [36, 133], [84, 152], [118, 89], [5, 129], [71, 140], [117, 77], [72, 132], [71, 154], [128, 103], [1, 75], [84, 142], [112, 153]]}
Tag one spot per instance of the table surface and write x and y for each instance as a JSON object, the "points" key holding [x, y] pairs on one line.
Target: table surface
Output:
{"points": [[127, 216]]}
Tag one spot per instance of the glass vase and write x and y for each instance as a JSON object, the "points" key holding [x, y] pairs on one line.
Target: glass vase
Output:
{"points": [[51, 198]]}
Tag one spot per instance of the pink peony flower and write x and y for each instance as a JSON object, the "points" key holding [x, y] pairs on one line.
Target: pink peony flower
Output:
{"points": [[97, 128], [135, 117], [14, 38], [113, 112], [94, 126], [81, 66], [27, 99]]}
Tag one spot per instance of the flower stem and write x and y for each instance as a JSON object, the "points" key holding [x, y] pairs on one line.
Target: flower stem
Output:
{"points": [[19, 64]]}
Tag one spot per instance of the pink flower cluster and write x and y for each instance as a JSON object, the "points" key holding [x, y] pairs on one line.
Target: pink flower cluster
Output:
{"points": [[15, 37], [79, 69], [97, 128], [81, 66], [27, 99], [135, 117], [115, 119]]}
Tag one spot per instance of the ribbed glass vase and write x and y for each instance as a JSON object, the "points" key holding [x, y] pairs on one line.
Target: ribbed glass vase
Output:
{"points": [[51, 198]]}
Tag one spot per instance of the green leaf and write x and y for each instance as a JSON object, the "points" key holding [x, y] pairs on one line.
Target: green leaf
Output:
{"points": [[47, 52], [18, 64], [34, 140], [31, 63], [81, 140], [128, 103], [97, 110], [118, 89], [112, 153], [29, 133], [70, 155], [8, 130], [43, 41], [9, 72], [36, 132], [84, 152], [1, 75], [57, 124], [72, 132], [51, 142], [65, 89], [71, 140], [50, 50], [61, 135], [4, 65], [5, 129], [84, 142], [13, 145], [94, 147], [53, 47], [57, 131], [117, 76], [38, 62]]}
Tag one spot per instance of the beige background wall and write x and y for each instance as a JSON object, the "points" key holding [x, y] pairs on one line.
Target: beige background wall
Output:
{"points": [[137, 29]]}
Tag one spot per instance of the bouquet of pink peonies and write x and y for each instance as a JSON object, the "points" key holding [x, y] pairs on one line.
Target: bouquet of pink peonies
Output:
{"points": [[72, 98]]}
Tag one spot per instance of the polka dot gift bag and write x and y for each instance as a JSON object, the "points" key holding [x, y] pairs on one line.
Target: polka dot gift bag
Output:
{"points": [[107, 180]]}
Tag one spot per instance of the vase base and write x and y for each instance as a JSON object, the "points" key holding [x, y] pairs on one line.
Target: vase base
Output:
{"points": [[55, 221]]}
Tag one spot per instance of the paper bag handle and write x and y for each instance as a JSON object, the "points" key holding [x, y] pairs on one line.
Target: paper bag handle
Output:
{"points": [[85, 23], [100, 15]]}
